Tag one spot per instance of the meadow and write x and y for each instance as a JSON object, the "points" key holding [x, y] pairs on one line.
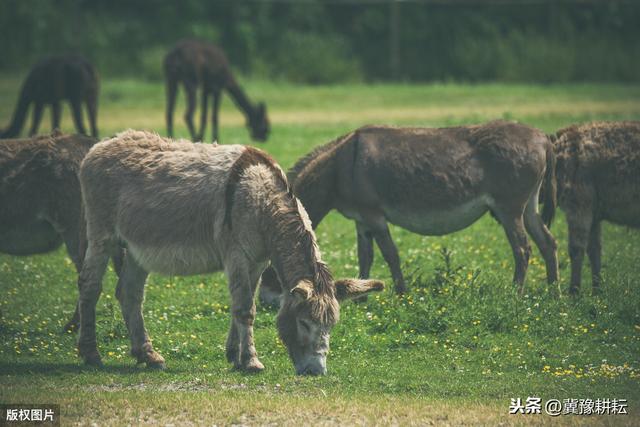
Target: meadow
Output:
{"points": [[454, 350]]}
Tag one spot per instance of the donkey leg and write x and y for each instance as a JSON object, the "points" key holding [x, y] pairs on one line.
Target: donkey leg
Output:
{"points": [[172, 90], [204, 108], [594, 250], [37, 118], [92, 112], [242, 285], [579, 227], [389, 251], [76, 114], [515, 231], [233, 345], [190, 91], [118, 260], [56, 114], [130, 294], [74, 322], [365, 249], [214, 114], [542, 238], [72, 244], [90, 285]]}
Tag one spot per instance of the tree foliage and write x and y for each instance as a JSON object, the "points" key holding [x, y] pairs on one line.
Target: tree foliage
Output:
{"points": [[318, 41]]}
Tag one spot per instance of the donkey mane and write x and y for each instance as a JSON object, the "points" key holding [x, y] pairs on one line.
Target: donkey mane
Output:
{"points": [[324, 306], [303, 162], [294, 221], [250, 157]]}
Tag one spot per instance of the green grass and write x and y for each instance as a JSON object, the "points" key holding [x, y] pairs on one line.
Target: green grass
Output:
{"points": [[454, 350]]}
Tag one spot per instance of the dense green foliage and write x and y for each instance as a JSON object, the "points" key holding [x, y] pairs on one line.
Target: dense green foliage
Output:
{"points": [[319, 41], [460, 337]]}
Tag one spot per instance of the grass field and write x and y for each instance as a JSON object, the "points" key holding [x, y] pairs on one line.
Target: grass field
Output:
{"points": [[453, 351]]}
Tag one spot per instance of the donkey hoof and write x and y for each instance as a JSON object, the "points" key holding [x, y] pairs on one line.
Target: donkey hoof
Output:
{"points": [[156, 366], [93, 359], [232, 354], [253, 366], [400, 290], [94, 363], [153, 360]]}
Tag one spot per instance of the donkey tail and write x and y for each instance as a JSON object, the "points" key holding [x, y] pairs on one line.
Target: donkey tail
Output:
{"points": [[20, 113], [550, 190]]}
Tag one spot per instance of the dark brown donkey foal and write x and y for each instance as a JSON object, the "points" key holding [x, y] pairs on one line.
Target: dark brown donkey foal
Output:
{"points": [[51, 81], [197, 64]]}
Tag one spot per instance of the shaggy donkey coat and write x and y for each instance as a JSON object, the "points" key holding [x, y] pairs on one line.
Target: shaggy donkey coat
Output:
{"points": [[181, 208], [40, 202], [432, 182], [598, 175]]}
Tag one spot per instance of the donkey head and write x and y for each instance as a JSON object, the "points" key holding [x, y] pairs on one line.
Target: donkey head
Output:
{"points": [[306, 318], [259, 123]]}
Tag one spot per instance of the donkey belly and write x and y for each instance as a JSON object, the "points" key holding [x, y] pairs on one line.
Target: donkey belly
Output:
{"points": [[176, 260], [438, 221]]}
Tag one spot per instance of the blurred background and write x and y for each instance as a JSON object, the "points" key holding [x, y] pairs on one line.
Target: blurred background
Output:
{"points": [[324, 68], [338, 41]]}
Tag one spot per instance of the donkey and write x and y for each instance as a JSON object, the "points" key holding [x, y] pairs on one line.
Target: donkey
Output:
{"points": [[432, 182], [50, 81], [40, 202], [598, 175], [181, 208], [196, 63]]}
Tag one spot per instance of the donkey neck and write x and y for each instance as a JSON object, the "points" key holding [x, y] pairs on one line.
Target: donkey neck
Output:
{"points": [[294, 253], [241, 99], [315, 186]]}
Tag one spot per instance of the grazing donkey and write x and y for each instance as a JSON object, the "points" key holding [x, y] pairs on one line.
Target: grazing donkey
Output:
{"points": [[40, 202], [195, 63], [51, 81], [433, 182], [598, 176], [183, 208]]}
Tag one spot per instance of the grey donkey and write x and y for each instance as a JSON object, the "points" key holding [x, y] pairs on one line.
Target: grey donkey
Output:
{"points": [[181, 208]]}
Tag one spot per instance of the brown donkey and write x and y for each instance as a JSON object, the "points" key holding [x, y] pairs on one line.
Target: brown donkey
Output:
{"points": [[183, 208], [197, 64], [40, 202], [432, 182], [51, 81], [598, 175]]}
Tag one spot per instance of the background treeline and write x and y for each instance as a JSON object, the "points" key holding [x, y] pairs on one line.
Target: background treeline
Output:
{"points": [[315, 41]]}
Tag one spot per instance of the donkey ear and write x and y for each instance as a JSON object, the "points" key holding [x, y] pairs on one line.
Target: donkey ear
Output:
{"points": [[303, 290], [354, 288]]}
